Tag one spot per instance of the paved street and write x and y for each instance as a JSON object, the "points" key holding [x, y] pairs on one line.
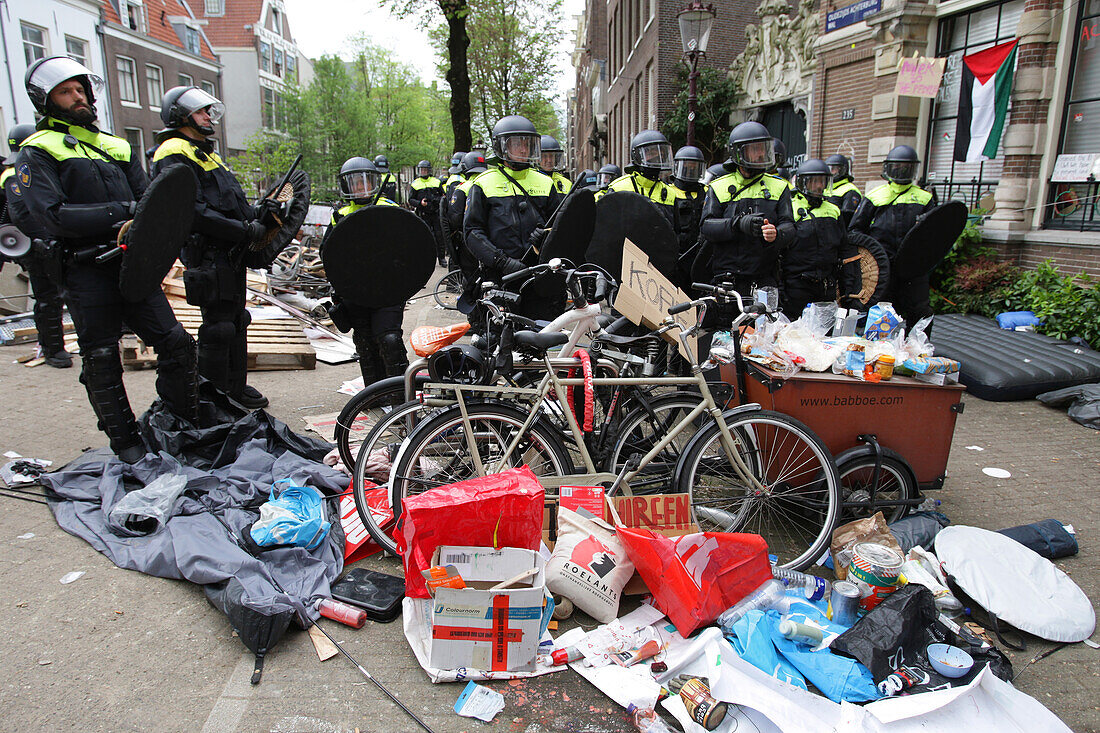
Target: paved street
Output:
{"points": [[120, 651]]}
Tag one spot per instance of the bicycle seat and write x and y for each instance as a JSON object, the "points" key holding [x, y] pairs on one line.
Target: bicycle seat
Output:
{"points": [[539, 342]]}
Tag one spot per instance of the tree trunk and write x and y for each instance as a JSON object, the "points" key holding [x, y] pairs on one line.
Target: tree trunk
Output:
{"points": [[458, 75]]}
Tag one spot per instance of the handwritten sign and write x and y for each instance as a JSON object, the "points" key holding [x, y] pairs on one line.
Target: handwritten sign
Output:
{"points": [[645, 296], [919, 77], [851, 14], [1074, 168]]}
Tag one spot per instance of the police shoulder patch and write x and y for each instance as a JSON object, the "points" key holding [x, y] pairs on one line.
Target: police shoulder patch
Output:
{"points": [[24, 173]]}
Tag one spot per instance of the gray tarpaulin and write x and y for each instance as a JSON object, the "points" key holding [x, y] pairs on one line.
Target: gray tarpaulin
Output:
{"points": [[229, 469]]}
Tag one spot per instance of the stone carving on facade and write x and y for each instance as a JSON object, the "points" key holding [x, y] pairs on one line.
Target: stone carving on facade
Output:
{"points": [[778, 60]]}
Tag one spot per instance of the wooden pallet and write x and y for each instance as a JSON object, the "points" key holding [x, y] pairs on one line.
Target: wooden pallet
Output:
{"points": [[273, 345]]}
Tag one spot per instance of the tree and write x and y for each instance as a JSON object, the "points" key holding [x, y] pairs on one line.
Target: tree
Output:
{"points": [[455, 13], [716, 94]]}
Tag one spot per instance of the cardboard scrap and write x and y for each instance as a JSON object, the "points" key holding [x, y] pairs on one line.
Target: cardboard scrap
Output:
{"points": [[322, 644]]}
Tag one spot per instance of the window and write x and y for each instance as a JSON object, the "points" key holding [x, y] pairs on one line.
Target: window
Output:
{"points": [[127, 80], [154, 84], [215, 7], [276, 25], [132, 13], [184, 80], [269, 108], [34, 42], [291, 66], [191, 39], [960, 35], [265, 56], [278, 62], [76, 49], [208, 87], [136, 138]]}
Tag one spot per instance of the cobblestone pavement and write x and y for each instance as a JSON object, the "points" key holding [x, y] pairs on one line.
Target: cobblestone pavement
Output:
{"points": [[120, 651]]}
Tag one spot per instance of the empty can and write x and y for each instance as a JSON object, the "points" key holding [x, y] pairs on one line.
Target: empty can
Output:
{"points": [[844, 602]]}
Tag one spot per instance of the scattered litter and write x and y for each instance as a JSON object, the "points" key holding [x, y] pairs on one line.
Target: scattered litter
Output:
{"points": [[321, 644], [26, 536], [1091, 643], [44, 662], [351, 387], [72, 577], [24, 470], [974, 447], [477, 701], [11, 454], [323, 425], [996, 472]]}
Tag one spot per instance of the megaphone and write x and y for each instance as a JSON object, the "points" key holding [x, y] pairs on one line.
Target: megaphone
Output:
{"points": [[13, 243]]}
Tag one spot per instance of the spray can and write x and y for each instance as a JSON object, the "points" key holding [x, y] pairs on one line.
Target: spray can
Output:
{"points": [[700, 705], [344, 613]]}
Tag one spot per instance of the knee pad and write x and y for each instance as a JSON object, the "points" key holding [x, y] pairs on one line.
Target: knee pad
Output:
{"points": [[101, 365], [393, 351], [178, 348], [218, 333]]}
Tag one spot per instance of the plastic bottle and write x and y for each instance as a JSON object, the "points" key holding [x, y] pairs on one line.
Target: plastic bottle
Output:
{"points": [[764, 597], [814, 587], [801, 633], [343, 612], [928, 505], [647, 720]]}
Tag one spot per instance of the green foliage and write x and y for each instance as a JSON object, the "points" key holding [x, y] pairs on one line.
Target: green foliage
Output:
{"points": [[716, 93]]}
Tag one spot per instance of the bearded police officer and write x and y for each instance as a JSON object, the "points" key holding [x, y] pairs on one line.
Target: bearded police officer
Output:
{"points": [[552, 163], [887, 214], [48, 309], [389, 182], [224, 225], [842, 191], [425, 195], [80, 185], [744, 211], [819, 255]]}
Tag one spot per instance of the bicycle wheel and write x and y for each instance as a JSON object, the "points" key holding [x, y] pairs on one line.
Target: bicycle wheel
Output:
{"points": [[438, 453], [449, 288], [364, 409], [797, 503], [896, 482], [643, 428], [372, 470]]}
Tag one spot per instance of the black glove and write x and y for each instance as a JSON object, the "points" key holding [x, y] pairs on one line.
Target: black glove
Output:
{"points": [[253, 232], [507, 265], [750, 224], [538, 237], [269, 211]]}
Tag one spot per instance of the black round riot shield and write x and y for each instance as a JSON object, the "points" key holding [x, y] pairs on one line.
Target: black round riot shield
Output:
{"points": [[295, 194], [625, 215], [379, 256], [572, 229], [929, 241], [874, 268], [161, 225]]}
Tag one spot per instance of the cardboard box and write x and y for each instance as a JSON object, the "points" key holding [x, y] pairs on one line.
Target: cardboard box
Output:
{"points": [[476, 628]]}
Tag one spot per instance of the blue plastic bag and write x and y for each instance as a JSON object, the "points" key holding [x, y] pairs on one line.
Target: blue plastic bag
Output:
{"points": [[752, 640], [292, 515]]}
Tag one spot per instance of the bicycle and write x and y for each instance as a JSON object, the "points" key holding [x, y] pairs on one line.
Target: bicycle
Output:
{"points": [[449, 288]]}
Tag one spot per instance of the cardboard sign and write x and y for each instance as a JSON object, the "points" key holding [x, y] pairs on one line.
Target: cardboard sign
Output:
{"points": [[1073, 168], [668, 514], [645, 295], [919, 77]]}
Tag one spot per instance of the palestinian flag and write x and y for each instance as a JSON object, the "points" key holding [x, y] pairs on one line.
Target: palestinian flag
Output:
{"points": [[983, 102]]}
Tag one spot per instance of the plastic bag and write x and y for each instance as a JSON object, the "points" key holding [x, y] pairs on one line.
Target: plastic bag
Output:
{"points": [[154, 502], [752, 638], [695, 577], [847, 536], [589, 565], [818, 355], [292, 516], [818, 318], [426, 340], [917, 343], [918, 530], [501, 510]]}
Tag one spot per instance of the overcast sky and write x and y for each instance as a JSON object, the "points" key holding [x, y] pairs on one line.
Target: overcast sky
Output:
{"points": [[323, 27]]}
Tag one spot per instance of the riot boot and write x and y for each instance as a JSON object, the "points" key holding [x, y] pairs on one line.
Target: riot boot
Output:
{"points": [[215, 352], [102, 377], [248, 396], [178, 374], [395, 360], [47, 317], [370, 359]]}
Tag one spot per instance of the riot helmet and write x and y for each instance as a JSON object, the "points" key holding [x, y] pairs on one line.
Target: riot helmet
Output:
{"points": [[45, 74], [650, 153], [780, 149], [607, 174], [587, 178], [812, 180], [359, 179], [715, 171], [689, 165], [839, 166], [901, 165], [382, 163], [515, 142], [16, 135], [456, 162], [423, 169], [179, 103], [473, 163], [751, 148], [551, 156]]}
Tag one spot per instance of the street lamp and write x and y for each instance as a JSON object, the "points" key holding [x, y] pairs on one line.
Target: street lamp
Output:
{"points": [[695, 22]]}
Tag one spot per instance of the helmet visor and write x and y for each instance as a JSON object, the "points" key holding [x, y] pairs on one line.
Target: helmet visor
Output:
{"points": [[899, 171], [757, 154], [812, 184], [654, 155], [523, 148], [689, 170], [552, 160], [838, 170], [423, 170], [195, 99], [52, 72], [358, 184], [604, 179]]}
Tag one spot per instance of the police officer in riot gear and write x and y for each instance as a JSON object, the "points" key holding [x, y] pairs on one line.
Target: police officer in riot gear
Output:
{"points": [[454, 210], [887, 213], [80, 184], [819, 255], [389, 182], [843, 192], [781, 169], [376, 332], [224, 224], [650, 158], [606, 175], [425, 195], [455, 175], [552, 163], [745, 212], [48, 308], [715, 171], [689, 193]]}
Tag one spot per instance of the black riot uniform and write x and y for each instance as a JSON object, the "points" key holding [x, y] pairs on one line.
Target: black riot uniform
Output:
{"points": [[650, 158], [425, 195], [736, 208], [389, 182], [454, 210], [842, 191], [80, 184], [887, 213], [689, 193], [224, 224], [376, 332], [48, 308], [819, 255]]}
